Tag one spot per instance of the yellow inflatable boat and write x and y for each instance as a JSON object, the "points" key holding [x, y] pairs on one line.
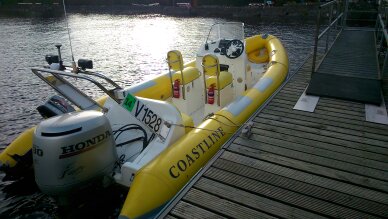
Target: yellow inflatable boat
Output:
{"points": [[154, 136]]}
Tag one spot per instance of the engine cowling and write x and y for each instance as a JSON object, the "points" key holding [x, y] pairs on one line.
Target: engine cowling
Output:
{"points": [[73, 150]]}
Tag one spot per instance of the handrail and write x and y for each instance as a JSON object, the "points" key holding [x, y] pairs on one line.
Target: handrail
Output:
{"points": [[318, 35], [99, 75], [89, 101], [326, 4], [384, 35], [380, 20], [99, 85], [327, 28]]}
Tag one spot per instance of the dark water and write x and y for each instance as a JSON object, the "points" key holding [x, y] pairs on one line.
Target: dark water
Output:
{"points": [[128, 49]]}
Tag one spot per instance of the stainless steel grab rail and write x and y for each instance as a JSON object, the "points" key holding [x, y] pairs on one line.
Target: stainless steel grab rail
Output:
{"points": [[332, 23], [72, 93]]}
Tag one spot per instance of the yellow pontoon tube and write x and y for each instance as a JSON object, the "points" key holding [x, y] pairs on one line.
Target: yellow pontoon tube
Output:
{"points": [[159, 181]]}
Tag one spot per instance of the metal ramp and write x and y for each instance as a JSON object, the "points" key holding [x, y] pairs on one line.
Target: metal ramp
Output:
{"points": [[349, 70]]}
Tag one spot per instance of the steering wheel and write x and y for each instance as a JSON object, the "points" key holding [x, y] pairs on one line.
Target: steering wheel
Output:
{"points": [[234, 49]]}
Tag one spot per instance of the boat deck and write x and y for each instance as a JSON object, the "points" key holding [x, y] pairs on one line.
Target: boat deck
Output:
{"points": [[327, 164]]}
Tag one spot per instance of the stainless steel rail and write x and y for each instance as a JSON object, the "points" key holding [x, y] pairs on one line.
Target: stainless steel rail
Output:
{"points": [[332, 23], [382, 35], [72, 93]]}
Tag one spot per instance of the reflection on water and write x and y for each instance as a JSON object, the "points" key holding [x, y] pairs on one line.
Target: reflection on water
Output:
{"points": [[128, 49]]}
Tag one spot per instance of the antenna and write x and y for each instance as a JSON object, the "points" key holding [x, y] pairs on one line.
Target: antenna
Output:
{"points": [[68, 32]]}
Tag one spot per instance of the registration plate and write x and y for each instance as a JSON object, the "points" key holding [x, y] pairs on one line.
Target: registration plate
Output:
{"points": [[147, 116]]}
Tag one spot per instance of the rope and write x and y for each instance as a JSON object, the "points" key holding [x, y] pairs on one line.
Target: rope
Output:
{"points": [[209, 117], [193, 127], [229, 120]]}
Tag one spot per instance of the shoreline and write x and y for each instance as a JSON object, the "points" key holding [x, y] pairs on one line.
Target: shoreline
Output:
{"points": [[287, 13]]}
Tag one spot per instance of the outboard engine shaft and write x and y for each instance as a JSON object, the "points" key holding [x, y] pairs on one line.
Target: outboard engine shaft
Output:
{"points": [[73, 150]]}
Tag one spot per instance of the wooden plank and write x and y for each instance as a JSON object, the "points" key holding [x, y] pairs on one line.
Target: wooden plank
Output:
{"points": [[319, 130], [254, 201], [189, 211], [354, 106], [314, 159], [327, 120], [332, 117], [306, 177], [283, 195], [320, 110], [292, 91], [309, 167], [314, 144], [321, 124], [340, 109], [299, 80], [222, 206], [318, 137], [313, 150], [328, 195], [295, 87], [327, 103], [170, 217]]}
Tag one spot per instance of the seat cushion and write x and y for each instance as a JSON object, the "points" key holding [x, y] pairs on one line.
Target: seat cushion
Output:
{"points": [[189, 75], [225, 78]]}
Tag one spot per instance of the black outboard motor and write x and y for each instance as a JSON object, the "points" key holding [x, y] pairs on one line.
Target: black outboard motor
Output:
{"points": [[56, 105]]}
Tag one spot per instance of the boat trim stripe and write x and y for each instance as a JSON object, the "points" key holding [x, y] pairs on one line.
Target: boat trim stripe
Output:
{"points": [[56, 134], [263, 84], [241, 103], [141, 87]]}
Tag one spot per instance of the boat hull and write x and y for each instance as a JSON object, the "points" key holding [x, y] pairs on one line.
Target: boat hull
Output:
{"points": [[158, 182]]}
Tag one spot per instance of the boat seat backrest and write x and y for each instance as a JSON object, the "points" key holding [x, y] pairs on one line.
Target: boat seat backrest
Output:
{"points": [[186, 84], [211, 68], [211, 65], [175, 60], [220, 81]]}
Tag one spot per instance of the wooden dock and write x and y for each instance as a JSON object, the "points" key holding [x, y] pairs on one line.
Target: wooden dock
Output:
{"points": [[327, 164]]}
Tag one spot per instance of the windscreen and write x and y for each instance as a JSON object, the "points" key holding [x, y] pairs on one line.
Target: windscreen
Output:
{"points": [[230, 31]]}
